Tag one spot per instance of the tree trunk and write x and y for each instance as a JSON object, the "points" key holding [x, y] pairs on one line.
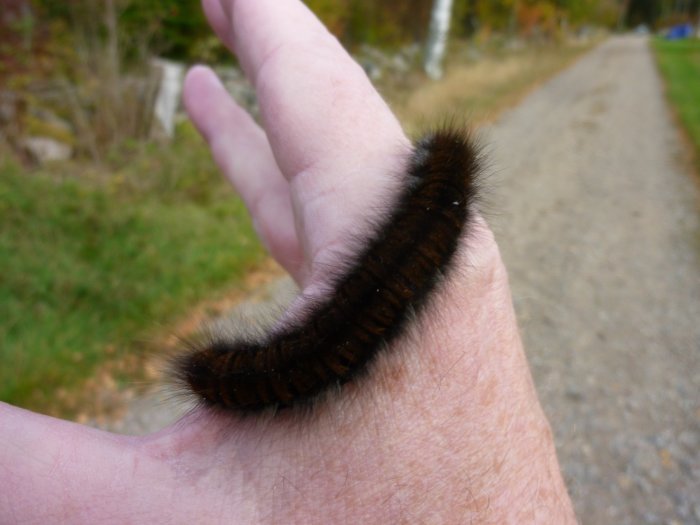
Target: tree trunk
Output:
{"points": [[437, 38]]}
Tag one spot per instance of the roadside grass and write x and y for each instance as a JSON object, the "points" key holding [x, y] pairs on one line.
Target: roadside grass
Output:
{"points": [[679, 62], [91, 258], [478, 90]]}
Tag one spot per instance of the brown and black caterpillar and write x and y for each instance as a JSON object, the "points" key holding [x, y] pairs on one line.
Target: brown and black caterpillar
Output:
{"points": [[370, 303]]}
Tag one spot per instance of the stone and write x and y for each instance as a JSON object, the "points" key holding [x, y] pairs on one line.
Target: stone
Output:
{"points": [[45, 149]]}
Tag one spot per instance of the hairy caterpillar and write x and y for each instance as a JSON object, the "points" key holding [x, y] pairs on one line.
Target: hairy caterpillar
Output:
{"points": [[370, 303]]}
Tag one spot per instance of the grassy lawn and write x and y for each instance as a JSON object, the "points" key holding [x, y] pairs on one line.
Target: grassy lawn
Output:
{"points": [[91, 264], [679, 62]]}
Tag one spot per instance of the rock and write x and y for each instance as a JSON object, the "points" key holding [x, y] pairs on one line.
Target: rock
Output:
{"points": [[373, 71], [45, 149], [375, 61], [400, 63]]}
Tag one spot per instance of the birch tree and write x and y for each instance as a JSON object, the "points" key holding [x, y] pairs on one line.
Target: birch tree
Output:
{"points": [[437, 37]]}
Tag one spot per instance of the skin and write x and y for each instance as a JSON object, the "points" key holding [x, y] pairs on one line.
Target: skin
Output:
{"points": [[446, 428]]}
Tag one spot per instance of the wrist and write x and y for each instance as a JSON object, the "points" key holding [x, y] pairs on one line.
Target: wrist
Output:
{"points": [[447, 426]]}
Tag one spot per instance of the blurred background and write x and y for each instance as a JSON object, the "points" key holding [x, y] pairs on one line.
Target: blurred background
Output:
{"points": [[117, 231]]}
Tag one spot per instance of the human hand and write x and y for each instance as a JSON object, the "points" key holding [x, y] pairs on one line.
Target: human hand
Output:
{"points": [[445, 429]]}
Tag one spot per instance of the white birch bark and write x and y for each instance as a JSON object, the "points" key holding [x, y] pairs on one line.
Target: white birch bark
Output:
{"points": [[437, 37]]}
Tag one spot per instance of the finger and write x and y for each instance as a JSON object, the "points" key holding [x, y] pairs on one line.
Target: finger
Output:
{"points": [[313, 95], [332, 135], [241, 150], [218, 20]]}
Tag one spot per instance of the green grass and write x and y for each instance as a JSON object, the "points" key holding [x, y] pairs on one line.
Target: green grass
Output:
{"points": [[103, 258], [679, 62]]}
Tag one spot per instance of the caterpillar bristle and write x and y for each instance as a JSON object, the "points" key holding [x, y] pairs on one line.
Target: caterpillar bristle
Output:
{"points": [[369, 304]]}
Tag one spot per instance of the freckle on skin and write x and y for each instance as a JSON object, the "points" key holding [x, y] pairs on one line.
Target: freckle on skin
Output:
{"points": [[488, 394], [394, 377]]}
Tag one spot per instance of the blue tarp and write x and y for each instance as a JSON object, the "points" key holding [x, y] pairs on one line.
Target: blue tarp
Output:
{"points": [[680, 31]]}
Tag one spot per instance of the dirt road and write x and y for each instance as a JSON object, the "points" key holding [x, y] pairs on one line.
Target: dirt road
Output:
{"points": [[599, 226]]}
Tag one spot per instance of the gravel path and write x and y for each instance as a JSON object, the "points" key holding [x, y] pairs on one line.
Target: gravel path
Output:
{"points": [[599, 227], [598, 224]]}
